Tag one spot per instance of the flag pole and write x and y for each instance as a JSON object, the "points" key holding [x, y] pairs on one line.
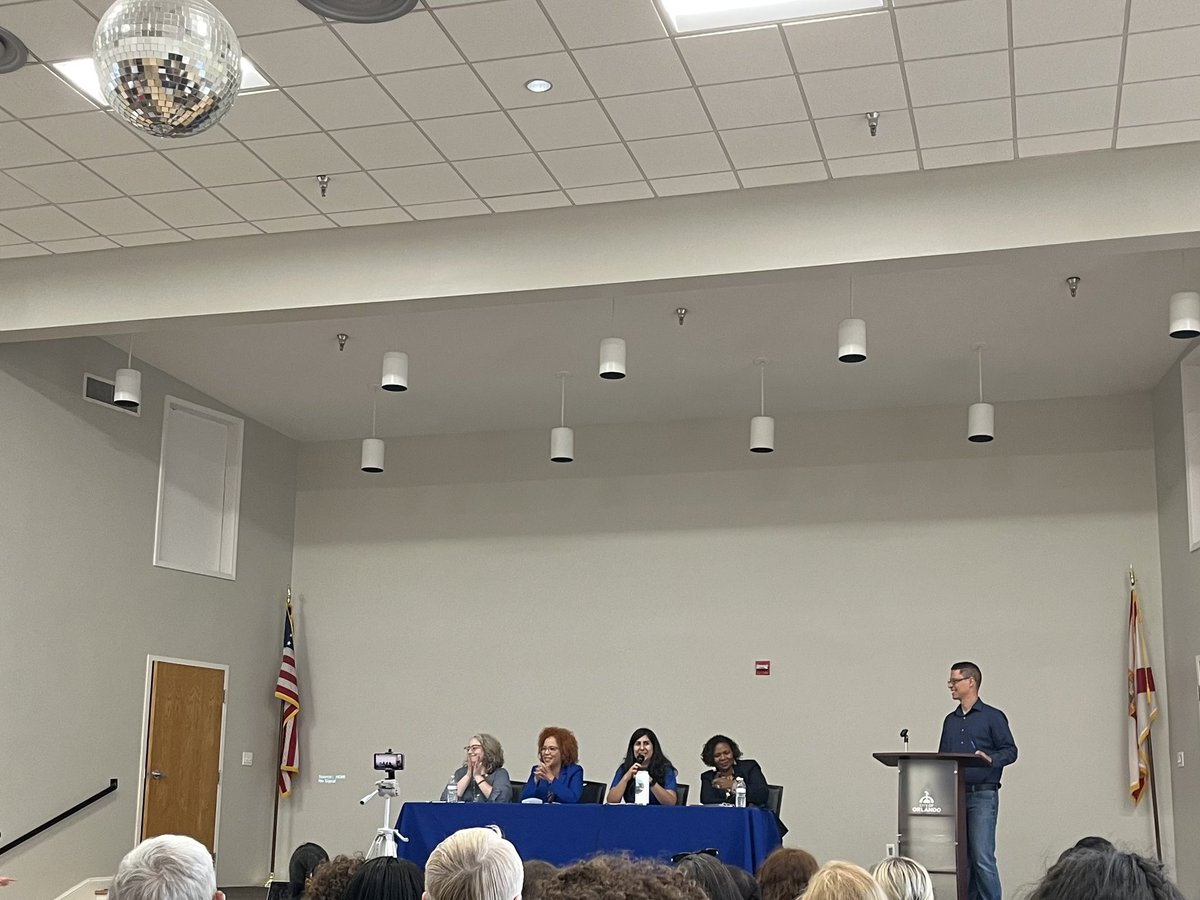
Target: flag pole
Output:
{"points": [[275, 780], [1150, 764]]}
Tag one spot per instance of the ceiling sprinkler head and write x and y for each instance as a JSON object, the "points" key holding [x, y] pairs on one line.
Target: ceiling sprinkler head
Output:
{"points": [[681, 312], [873, 123], [1073, 285], [342, 337]]}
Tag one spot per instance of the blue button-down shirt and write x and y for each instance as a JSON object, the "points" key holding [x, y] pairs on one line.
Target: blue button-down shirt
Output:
{"points": [[983, 728]]}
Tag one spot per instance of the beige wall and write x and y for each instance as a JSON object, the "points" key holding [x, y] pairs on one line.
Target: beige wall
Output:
{"points": [[477, 586], [81, 608], [1181, 623]]}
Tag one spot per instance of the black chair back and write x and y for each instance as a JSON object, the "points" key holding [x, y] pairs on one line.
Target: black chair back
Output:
{"points": [[593, 792], [681, 792], [774, 797]]}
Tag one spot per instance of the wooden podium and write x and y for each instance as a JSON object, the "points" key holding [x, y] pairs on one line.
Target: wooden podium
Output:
{"points": [[932, 818]]}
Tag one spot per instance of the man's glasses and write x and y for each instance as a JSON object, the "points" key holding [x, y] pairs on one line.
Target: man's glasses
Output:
{"points": [[953, 681]]}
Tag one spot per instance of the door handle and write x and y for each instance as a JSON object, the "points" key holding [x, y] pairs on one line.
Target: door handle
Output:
{"points": [[157, 775]]}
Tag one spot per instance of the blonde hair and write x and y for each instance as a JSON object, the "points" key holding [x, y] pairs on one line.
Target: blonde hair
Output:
{"points": [[840, 880], [903, 879], [474, 864]]}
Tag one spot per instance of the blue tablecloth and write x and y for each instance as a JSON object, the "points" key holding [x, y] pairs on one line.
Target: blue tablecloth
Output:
{"points": [[562, 834]]}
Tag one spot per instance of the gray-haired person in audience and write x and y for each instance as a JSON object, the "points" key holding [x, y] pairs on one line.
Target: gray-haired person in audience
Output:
{"points": [[710, 873], [903, 879], [167, 867], [474, 864], [1089, 874]]}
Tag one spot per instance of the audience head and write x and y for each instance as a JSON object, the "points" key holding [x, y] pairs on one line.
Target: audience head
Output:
{"points": [[568, 747], [489, 751], [903, 879], [840, 880], [304, 862], [708, 754], [167, 867], [537, 872], [1091, 874], [785, 873], [474, 864], [330, 880], [386, 878], [605, 877], [747, 887], [711, 874], [1091, 842]]}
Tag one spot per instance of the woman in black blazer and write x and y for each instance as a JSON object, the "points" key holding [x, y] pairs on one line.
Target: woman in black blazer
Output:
{"points": [[725, 757]]}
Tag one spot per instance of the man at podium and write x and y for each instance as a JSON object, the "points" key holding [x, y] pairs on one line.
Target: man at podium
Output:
{"points": [[974, 727]]}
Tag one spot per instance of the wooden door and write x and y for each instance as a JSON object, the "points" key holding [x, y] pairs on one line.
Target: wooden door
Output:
{"points": [[183, 751]]}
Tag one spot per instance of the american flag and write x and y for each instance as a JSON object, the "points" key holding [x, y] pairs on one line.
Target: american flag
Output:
{"points": [[287, 689]]}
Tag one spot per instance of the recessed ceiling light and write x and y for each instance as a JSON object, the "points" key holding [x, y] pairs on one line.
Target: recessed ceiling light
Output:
{"points": [[82, 74], [706, 15], [538, 85]]}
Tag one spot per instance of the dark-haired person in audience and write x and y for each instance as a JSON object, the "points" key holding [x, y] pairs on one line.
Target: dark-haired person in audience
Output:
{"points": [[710, 873], [785, 873], [608, 877], [645, 754], [903, 879], [747, 887], [330, 880], [1091, 842], [975, 727], [303, 863], [558, 777], [482, 777], [386, 878], [1089, 874], [474, 864], [537, 873], [725, 757], [840, 880]]}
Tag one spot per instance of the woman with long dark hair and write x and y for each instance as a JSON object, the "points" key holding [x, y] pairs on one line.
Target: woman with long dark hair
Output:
{"points": [[645, 755]]}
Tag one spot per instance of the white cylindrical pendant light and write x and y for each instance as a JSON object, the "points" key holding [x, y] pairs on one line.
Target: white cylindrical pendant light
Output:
{"points": [[981, 417], [981, 423], [372, 455], [762, 434], [127, 388], [852, 340], [612, 358], [395, 371], [1185, 315], [762, 426], [562, 444], [562, 438]]}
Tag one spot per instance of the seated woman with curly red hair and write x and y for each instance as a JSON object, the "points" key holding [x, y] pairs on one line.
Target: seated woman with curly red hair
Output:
{"points": [[558, 777]]}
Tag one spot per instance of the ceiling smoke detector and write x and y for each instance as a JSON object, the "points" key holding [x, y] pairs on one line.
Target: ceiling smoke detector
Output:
{"points": [[12, 52], [361, 12]]}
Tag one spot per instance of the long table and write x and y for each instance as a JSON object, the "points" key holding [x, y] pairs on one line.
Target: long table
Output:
{"points": [[562, 834]]}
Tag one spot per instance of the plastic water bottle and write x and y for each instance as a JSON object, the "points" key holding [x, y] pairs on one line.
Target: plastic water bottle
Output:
{"points": [[452, 791], [739, 793], [641, 788]]}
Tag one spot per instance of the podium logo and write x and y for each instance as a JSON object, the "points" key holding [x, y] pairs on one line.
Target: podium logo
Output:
{"points": [[926, 805]]}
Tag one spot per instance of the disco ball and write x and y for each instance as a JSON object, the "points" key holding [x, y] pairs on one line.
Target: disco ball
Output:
{"points": [[169, 67]]}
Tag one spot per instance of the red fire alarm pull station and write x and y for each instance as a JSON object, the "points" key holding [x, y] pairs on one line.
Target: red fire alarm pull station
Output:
{"points": [[762, 667]]}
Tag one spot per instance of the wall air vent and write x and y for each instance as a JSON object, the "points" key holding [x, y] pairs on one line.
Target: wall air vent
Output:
{"points": [[361, 12], [100, 390]]}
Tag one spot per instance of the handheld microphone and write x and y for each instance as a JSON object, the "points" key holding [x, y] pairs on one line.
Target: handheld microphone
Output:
{"points": [[640, 758], [904, 737]]}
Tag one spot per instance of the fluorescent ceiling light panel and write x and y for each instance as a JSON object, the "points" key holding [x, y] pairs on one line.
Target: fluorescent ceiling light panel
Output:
{"points": [[82, 74], [707, 15]]}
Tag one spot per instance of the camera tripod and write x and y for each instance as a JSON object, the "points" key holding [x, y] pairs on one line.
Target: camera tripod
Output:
{"points": [[386, 837]]}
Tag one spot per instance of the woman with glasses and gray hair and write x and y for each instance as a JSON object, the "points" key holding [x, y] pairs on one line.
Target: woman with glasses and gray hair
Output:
{"points": [[482, 777]]}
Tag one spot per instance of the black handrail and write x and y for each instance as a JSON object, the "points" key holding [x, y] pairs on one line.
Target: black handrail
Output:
{"points": [[112, 786]]}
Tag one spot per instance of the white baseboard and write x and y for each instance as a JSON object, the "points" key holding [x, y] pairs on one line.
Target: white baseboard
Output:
{"points": [[86, 889]]}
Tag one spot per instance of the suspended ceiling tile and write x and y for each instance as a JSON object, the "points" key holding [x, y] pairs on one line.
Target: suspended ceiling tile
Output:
{"points": [[303, 56], [250, 17], [1079, 142], [34, 90], [435, 93], [189, 209], [633, 68], [693, 154], [220, 164], [977, 122], [355, 190], [415, 41], [267, 114], [850, 135], [53, 30], [1152, 102], [265, 200], [64, 182], [695, 184], [958, 79], [211, 232], [423, 184], [1158, 54], [843, 42], [793, 174], [146, 238], [387, 146], [449, 209], [540, 200], [1067, 67], [15, 251], [905, 161], [736, 55], [849, 91], [565, 125], [501, 29], [44, 223], [611, 193], [588, 166], [501, 175], [80, 245], [303, 154], [141, 173], [767, 101], [1147, 15], [771, 145], [967, 154], [347, 104], [659, 114], [119, 215], [89, 134], [1039, 22], [370, 217], [610, 22], [21, 146], [1065, 112], [471, 137], [13, 193], [944, 29], [506, 78], [1166, 133], [296, 223]]}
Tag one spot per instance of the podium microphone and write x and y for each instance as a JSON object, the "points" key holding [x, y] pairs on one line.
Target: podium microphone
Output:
{"points": [[904, 737]]}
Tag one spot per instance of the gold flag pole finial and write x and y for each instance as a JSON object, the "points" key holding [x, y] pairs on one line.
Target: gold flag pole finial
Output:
{"points": [[289, 590], [1132, 577]]}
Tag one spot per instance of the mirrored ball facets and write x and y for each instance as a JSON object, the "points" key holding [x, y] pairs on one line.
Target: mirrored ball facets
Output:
{"points": [[168, 67]]}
